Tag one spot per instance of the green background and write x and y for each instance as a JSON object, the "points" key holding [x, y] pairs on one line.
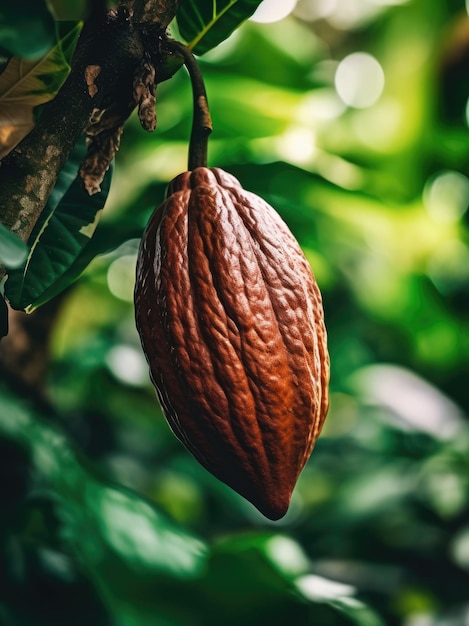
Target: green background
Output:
{"points": [[106, 519]]}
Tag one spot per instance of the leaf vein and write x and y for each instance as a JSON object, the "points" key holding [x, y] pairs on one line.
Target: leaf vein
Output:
{"points": [[216, 17]]}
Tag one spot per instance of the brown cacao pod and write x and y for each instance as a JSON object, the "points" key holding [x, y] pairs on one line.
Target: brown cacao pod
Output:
{"points": [[231, 322]]}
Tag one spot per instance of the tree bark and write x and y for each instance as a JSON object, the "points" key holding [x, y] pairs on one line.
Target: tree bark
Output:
{"points": [[25, 351], [113, 48], [115, 42]]}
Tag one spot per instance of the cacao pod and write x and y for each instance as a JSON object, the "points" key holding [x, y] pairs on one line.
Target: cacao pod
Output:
{"points": [[231, 323]]}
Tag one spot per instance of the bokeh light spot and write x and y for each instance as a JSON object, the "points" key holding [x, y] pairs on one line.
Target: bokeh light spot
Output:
{"points": [[273, 11], [288, 555], [315, 9], [298, 145], [411, 402], [317, 588], [460, 548], [121, 277], [343, 14], [359, 80], [446, 196], [448, 266], [128, 365]]}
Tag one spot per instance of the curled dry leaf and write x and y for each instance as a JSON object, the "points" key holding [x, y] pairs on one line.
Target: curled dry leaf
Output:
{"points": [[101, 151], [231, 322], [91, 74], [144, 95], [105, 125]]}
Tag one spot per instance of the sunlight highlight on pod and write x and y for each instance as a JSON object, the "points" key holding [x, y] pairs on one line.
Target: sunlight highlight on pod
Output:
{"points": [[359, 80], [446, 196], [273, 11]]}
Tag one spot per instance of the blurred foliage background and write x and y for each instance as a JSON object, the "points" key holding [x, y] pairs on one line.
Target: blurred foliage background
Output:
{"points": [[350, 117]]}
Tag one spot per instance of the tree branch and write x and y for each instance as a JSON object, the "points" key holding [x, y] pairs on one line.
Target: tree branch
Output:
{"points": [[101, 80], [201, 121], [154, 11]]}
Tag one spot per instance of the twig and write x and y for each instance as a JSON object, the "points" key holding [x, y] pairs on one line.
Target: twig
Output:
{"points": [[201, 121]]}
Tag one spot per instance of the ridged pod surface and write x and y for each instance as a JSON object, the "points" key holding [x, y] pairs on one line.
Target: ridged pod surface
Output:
{"points": [[231, 322]]}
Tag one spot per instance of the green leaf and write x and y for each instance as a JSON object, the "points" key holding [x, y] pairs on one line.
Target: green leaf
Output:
{"points": [[69, 31], [339, 597], [112, 532], [206, 24], [357, 612], [69, 9], [27, 28], [65, 227], [107, 237], [27, 84], [13, 252]]}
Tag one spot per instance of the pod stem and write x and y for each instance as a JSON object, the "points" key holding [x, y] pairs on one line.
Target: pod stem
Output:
{"points": [[201, 121]]}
